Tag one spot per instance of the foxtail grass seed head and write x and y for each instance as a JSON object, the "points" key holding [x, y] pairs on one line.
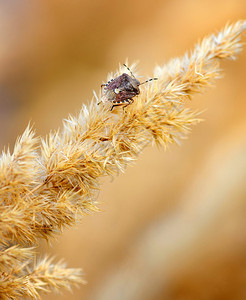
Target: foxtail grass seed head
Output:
{"points": [[48, 184]]}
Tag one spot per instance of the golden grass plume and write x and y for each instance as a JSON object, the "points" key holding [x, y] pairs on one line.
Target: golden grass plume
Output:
{"points": [[49, 184]]}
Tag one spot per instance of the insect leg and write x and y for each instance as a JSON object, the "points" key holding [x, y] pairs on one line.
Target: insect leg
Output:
{"points": [[102, 85], [128, 102], [113, 107]]}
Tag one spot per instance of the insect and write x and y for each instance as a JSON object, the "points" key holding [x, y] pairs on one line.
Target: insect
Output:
{"points": [[121, 90]]}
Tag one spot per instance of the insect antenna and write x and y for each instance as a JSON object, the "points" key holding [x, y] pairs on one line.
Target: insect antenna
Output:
{"points": [[129, 70], [149, 80]]}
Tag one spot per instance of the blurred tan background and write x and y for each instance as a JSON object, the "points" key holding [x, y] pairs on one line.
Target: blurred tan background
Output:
{"points": [[173, 226]]}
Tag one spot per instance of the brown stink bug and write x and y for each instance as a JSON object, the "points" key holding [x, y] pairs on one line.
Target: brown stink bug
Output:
{"points": [[121, 90]]}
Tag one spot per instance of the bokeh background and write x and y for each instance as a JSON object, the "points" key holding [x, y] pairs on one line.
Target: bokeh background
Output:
{"points": [[173, 226]]}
